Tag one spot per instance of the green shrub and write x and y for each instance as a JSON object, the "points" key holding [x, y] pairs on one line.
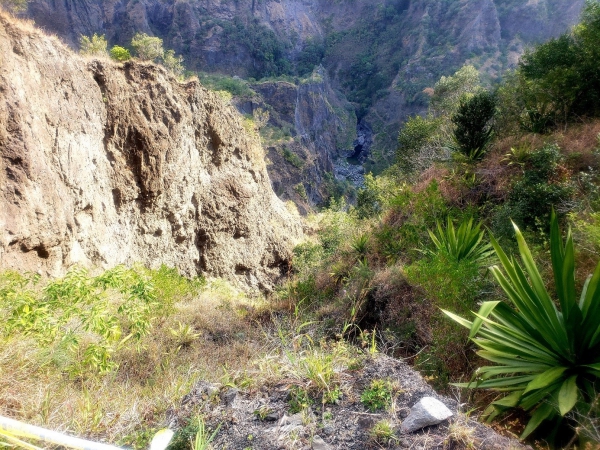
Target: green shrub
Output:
{"points": [[234, 85], [416, 133], [448, 284], [547, 357], [299, 399], [533, 196], [377, 396], [147, 48], [120, 54], [292, 158], [408, 219], [94, 46], [473, 122], [369, 199], [173, 63]]}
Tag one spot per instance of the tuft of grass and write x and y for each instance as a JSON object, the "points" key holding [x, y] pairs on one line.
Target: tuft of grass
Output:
{"points": [[383, 433], [460, 433]]}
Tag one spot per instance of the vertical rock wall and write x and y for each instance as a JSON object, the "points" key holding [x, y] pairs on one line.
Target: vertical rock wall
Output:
{"points": [[102, 164]]}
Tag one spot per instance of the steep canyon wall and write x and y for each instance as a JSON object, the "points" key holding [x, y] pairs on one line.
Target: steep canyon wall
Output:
{"points": [[103, 163]]}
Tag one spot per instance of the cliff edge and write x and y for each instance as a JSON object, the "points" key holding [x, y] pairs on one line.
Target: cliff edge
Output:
{"points": [[104, 164]]}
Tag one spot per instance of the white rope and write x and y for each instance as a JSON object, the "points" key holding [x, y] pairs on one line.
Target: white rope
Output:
{"points": [[24, 430], [14, 428]]}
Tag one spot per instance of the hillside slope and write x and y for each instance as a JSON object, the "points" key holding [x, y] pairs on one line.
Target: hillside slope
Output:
{"points": [[102, 164]]}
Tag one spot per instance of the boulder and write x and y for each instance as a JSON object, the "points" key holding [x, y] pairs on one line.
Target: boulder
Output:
{"points": [[428, 411]]}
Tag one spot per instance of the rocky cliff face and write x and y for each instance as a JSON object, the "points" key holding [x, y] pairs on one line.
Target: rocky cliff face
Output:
{"points": [[102, 164], [320, 127], [381, 54]]}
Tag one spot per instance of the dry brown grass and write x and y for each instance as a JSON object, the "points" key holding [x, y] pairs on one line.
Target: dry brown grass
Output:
{"points": [[25, 25], [150, 379]]}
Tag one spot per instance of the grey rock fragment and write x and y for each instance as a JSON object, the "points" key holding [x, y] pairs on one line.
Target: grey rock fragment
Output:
{"points": [[229, 396], [428, 411], [319, 444]]}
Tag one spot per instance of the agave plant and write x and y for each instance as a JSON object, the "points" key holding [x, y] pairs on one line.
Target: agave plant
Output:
{"points": [[546, 351], [462, 244]]}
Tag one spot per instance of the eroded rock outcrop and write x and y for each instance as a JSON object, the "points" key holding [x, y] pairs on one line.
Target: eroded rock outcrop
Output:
{"points": [[102, 164]]}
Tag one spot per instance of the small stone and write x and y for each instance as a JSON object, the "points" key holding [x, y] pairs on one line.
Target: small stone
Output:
{"points": [[296, 420], [319, 444], [428, 411], [404, 443], [272, 417], [229, 396], [328, 429]]}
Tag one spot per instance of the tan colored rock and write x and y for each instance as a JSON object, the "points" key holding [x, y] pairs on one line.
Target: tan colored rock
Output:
{"points": [[103, 164]]}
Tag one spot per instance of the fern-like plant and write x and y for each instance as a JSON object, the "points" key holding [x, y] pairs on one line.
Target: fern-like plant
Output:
{"points": [[462, 244], [546, 351]]}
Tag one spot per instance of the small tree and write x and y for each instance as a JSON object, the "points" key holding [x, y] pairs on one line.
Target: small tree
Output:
{"points": [[473, 122], [94, 46], [173, 63], [261, 118], [416, 136], [147, 48], [120, 54]]}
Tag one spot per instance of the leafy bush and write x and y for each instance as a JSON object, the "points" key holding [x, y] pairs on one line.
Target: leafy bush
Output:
{"points": [[173, 63], [444, 283], [311, 55], [369, 199], [559, 80], [547, 358], [120, 54], [293, 158], [416, 133], [234, 85], [464, 244], [533, 196], [94, 46], [147, 48], [408, 219], [377, 396], [473, 122]]}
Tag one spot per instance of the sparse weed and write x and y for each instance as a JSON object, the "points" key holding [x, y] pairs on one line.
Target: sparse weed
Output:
{"points": [[183, 335], [299, 399], [460, 433], [262, 412], [203, 437], [377, 396]]}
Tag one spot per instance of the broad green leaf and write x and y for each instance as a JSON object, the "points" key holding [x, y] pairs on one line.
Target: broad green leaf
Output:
{"points": [[546, 378], [464, 322], [543, 412], [511, 400], [484, 311], [567, 396]]}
